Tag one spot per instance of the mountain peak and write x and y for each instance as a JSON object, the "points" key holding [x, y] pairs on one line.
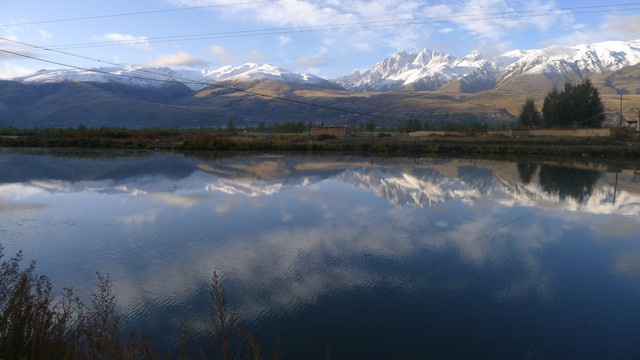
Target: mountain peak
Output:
{"points": [[431, 69], [153, 77], [474, 56]]}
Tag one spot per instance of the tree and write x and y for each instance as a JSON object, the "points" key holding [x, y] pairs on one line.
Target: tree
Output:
{"points": [[231, 128], [529, 115], [576, 105], [413, 125], [552, 108], [371, 126]]}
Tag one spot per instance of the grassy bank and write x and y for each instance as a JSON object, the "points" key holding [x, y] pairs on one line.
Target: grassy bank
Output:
{"points": [[626, 146]]}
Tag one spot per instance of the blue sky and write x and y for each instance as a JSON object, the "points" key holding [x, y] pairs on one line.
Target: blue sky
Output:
{"points": [[328, 38]]}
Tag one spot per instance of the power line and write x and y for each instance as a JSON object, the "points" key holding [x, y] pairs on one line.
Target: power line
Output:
{"points": [[505, 15], [177, 80], [94, 17], [221, 86]]}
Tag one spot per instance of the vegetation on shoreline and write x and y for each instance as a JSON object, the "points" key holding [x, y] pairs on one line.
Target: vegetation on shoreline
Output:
{"points": [[37, 323], [379, 142]]}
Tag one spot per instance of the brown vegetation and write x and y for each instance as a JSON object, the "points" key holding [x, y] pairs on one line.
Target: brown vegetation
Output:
{"points": [[36, 323]]}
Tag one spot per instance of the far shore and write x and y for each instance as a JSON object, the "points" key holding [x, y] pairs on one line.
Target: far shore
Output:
{"points": [[613, 146]]}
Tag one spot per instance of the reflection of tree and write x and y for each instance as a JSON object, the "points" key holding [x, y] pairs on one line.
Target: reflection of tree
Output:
{"points": [[526, 171], [575, 183]]}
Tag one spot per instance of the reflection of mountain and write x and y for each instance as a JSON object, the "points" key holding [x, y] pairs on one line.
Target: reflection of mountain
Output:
{"points": [[425, 187], [403, 183], [290, 234]]}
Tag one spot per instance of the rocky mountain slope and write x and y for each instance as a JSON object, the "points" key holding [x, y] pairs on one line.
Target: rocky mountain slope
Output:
{"points": [[427, 85], [432, 69], [142, 77]]}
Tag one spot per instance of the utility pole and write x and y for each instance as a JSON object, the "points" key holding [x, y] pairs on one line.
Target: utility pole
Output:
{"points": [[620, 116]]}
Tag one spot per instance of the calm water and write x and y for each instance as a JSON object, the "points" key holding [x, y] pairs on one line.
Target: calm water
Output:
{"points": [[376, 258]]}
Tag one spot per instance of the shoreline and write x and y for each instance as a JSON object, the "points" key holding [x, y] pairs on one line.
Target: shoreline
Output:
{"points": [[624, 147]]}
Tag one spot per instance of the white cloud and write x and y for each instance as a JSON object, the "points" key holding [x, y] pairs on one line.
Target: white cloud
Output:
{"points": [[10, 38], [225, 56], [628, 26], [44, 35], [313, 61], [284, 40], [10, 71], [126, 39], [495, 19], [178, 59]]}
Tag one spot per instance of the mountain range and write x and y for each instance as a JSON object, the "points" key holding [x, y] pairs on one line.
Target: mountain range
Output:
{"points": [[426, 84]]}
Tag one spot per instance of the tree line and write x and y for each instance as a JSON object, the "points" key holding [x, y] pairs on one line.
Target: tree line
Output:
{"points": [[576, 105]]}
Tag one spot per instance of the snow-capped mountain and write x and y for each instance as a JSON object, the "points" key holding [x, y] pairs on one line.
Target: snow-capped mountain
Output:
{"points": [[578, 60], [253, 71], [425, 70], [157, 77], [417, 70], [432, 69]]}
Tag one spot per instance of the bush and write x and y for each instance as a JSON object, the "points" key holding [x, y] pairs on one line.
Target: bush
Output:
{"points": [[37, 324]]}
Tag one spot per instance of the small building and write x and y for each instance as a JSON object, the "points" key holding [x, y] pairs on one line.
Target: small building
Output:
{"points": [[337, 131]]}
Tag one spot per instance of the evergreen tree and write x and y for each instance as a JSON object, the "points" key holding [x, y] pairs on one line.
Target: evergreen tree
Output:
{"points": [[371, 126], [529, 115], [576, 105], [552, 108], [413, 125], [593, 114], [231, 128]]}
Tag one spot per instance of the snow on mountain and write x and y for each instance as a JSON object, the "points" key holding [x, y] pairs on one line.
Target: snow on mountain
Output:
{"points": [[431, 69], [420, 70], [155, 77], [130, 75], [577, 60], [252, 71]]}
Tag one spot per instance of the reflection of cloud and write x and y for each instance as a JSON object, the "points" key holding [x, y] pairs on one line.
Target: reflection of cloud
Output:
{"points": [[13, 207], [611, 227], [186, 201], [148, 216], [337, 230], [629, 263], [19, 191]]}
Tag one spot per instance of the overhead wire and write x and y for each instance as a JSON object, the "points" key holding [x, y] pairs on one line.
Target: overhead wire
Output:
{"points": [[177, 80], [214, 84], [376, 23], [95, 17], [505, 15]]}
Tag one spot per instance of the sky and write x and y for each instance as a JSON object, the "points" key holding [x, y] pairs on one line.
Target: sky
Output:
{"points": [[328, 38]]}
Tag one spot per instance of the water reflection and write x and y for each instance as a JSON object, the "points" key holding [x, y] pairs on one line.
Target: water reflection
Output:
{"points": [[526, 171], [575, 183], [379, 258], [562, 181]]}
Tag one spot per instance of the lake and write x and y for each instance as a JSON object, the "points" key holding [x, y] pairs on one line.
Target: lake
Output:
{"points": [[372, 258]]}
